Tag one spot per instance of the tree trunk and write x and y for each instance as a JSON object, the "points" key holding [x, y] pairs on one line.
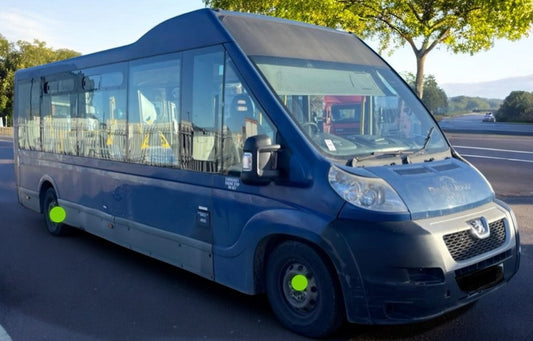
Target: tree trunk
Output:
{"points": [[420, 60]]}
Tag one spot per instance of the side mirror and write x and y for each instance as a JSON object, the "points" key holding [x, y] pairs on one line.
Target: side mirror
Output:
{"points": [[259, 160]]}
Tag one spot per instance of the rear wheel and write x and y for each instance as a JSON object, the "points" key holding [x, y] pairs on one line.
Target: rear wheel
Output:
{"points": [[49, 202], [302, 290]]}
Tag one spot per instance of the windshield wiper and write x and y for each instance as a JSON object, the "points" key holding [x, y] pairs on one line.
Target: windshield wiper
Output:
{"points": [[426, 143], [375, 155], [405, 155]]}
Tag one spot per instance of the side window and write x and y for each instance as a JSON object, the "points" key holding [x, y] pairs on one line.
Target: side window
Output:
{"points": [[23, 90], [59, 111], [200, 122], [34, 124], [396, 119], [102, 120], [242, 118], [154, 102]]}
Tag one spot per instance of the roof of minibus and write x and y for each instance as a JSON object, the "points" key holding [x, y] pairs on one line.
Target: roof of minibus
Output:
{"points": [[187, 31], [257, 35]]}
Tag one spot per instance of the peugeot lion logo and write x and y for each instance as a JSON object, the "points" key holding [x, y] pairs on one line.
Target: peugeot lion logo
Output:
{"points": [[479, 228]]}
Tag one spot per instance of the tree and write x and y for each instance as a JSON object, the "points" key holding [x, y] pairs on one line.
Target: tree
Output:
{"points": [[4, 48], [6, 91], [461, 26], [517, 107], [18, 56], [434, 97]]}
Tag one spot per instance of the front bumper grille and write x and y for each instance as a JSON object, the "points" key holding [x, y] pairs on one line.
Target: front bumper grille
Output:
{"points": [[462, 245]]}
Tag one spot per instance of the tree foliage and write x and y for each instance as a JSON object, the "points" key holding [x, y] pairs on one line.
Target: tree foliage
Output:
{"points": [[434, 97], [20, 55], [461, 26], [517, 107]]}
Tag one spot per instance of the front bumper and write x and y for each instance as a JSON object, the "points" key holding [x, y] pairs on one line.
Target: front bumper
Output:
{"points": [[402, 272]]}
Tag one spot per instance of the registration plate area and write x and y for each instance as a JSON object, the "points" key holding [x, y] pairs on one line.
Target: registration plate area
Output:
{"points": [[480, 280]]}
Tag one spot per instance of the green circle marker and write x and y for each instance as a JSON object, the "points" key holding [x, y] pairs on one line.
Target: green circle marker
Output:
{"points": [[299, 282], [57, 214]]}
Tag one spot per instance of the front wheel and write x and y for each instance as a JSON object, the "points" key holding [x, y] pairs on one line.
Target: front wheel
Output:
{"points": [[302, 290], [49, 202]]}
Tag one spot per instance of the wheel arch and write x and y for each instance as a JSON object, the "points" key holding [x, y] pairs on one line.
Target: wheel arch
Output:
{"points": [[270, 242], [45, 183], [240, 265], [338, 257]]}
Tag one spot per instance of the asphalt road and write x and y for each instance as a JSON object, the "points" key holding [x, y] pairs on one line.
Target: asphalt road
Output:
{"points": [[83, 288], [473, 123], [506, 161]]}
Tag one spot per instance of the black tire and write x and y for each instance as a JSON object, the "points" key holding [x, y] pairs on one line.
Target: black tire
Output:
{"points": [[315, 309], [49, 202]]}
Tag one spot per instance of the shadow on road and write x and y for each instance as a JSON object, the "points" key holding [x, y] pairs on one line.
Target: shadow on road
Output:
{"points": [[516, 200], [406, 331]]}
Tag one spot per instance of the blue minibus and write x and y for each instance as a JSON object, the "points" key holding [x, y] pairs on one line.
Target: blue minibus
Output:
{"points": [[203, 145]]}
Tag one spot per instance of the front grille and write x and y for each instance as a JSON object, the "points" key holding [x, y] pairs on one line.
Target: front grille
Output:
{"points": [[500, 258], [462, 245]]}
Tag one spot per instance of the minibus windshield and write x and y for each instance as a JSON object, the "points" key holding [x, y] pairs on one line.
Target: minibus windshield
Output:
{"points": [[357, 112]]}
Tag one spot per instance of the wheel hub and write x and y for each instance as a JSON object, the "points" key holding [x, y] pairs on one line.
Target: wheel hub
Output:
{"points": [[300, 288]]}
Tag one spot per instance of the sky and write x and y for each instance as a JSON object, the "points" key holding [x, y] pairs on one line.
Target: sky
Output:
{"points": [[96, 25]]}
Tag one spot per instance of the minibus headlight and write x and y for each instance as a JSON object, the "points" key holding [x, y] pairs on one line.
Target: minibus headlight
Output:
{"points": [[368, 193]]}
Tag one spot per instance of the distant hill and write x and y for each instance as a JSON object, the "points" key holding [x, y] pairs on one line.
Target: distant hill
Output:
{"points": [[493, 89], [463, 104]]}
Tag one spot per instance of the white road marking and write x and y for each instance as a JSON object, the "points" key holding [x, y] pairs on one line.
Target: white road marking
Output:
{"points": [[495, 150], [496, 158]]}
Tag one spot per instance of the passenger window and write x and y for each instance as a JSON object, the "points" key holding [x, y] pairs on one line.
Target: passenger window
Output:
{"points": [[154, 96], [102, 120], [200, 123], [24, 113], [219, 114], [34, 123], [59, 112], [242, 118], [29, 98]]}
